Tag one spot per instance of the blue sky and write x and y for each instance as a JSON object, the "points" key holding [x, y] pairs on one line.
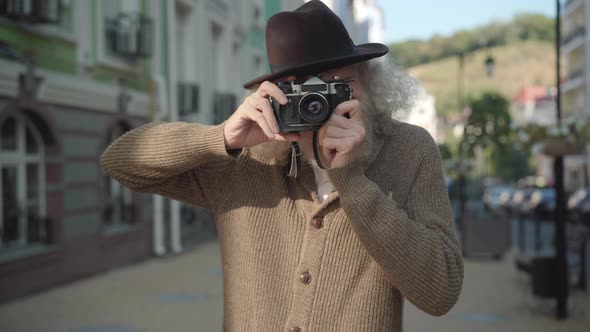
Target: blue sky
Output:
{"points": [[406, 19]]}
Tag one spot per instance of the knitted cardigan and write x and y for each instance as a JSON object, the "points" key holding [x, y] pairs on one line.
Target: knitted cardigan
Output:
{"points": [[385, 234]]}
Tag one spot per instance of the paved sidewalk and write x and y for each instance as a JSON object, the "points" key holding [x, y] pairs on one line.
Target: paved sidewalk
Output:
{"points": [[497, 297], [171, 294], [183, 293]]}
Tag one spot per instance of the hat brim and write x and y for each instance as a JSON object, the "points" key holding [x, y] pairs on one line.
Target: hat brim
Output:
{"points": [[360, 53]]}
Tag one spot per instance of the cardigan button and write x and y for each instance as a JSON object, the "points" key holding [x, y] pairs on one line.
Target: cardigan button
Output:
{"points": [[317, 222], [294, 329], [305, 277]]}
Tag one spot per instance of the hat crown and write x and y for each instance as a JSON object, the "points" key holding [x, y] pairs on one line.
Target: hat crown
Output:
{"points": [[311, 33], [309, 40]]}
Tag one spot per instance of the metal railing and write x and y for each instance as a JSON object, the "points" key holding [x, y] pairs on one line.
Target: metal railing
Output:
{"points": [[32, 11], [573, 34], [130, 35]]}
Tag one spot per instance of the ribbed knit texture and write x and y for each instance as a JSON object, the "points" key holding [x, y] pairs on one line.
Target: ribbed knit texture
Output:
{"points": [[387, 233]]}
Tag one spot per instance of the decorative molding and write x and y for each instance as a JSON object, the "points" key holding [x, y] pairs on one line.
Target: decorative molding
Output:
{"points": [[71, 91], [45, 30]]}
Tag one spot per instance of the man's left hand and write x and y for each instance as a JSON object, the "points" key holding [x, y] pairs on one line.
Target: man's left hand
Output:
{"points": [[341, 138]]}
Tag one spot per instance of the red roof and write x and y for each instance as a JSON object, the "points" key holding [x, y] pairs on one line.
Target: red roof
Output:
{"points": [[532, 93]]}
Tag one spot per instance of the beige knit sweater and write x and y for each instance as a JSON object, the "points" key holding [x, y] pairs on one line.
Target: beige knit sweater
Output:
{"points": [[385, 235]]}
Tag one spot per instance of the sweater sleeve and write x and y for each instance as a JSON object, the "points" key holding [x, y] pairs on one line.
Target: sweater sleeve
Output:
{"points": [[182, 161], [416, 246]]}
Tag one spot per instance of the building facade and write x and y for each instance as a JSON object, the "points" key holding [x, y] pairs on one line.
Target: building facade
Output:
{"points": [[575, 51], [74, 76], [363, 19], [423, 114]]}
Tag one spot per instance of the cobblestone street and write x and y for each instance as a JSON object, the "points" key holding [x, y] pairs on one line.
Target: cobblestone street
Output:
{"points": [[183, 293]]}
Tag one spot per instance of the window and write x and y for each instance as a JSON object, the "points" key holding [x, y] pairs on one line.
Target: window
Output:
{"points": [[128, 34], [258, 19], [50, 18], [22, 184], [119, 209], [125, 35]]}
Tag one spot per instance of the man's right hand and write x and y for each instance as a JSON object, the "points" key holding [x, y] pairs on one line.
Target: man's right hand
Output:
{"points": [[254, 122]]}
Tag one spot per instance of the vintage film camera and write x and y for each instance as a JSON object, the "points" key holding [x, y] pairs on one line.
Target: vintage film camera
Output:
{"points": [[309, 104]]}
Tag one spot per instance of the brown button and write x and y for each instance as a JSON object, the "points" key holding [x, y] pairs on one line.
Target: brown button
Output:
{"points": [[317, 222], [305, 277], [294, 329]]}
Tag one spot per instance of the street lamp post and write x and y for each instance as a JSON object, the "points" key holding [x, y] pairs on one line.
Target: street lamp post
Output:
{"points": [[561, 271], [461, 178]]}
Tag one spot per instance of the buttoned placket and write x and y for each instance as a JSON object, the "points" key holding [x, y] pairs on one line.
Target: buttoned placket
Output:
{"points": [[309, 269]]}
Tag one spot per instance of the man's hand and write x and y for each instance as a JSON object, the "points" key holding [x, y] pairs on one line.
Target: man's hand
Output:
{"points": [[341, 138], [254, 122]]}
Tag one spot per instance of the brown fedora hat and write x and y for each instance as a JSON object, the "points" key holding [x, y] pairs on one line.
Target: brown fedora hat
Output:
{"points": [[309, 40]]}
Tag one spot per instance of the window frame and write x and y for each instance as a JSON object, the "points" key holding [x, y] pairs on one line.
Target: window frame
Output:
{"points": [[21, 159], [105, 57], [114, 188]]}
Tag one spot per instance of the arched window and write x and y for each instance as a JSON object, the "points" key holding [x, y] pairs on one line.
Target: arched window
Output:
{"points": [[119, 201], [22, 183]]}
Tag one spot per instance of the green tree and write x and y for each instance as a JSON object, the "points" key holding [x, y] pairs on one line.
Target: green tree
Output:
{"points": [[510, 163], [445, 151], [489, 129], [489, 122]]}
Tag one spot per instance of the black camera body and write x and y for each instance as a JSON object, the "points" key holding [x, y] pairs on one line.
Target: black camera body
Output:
{"points": [[310, 104]]}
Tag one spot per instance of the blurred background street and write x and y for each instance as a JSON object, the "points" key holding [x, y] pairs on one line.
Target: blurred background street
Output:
{"points": [[504, 89]]}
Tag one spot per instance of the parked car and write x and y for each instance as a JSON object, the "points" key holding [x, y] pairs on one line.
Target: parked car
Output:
{"points": [[579, 206], [506, 197], [520, 200], [542, 203], [492, 197]]}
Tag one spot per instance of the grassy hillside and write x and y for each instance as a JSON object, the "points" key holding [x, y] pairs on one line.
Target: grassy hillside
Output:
{"points": [[517, 65]]}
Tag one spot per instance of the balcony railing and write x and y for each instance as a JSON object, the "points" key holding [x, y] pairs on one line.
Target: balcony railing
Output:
{"points": [[224, 104], [130, 35], [570, 2], [572, 75], [577, 32], [32, 11]]}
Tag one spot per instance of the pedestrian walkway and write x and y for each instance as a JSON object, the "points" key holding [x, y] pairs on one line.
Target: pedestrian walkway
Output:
{"points": [[171, 294], [498, 297], [184, 293]]}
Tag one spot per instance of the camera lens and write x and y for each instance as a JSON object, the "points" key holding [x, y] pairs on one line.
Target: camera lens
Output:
{"points": [[313, 108]]}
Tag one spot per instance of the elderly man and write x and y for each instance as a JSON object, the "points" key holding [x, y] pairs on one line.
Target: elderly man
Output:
{"points": [[335, 249]]}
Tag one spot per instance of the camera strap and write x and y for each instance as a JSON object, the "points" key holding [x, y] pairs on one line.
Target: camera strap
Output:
{"points": [[316, 154], [294, 161]]}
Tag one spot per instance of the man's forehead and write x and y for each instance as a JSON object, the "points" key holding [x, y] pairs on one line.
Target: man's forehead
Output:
{"points": [[345, 69], [344, 72]]}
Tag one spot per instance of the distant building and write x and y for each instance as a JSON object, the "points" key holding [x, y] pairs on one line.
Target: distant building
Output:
{"points": [[371, 21], [534, 104], [537, 105], [423, 114], [575, 51], [362, 18]]}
